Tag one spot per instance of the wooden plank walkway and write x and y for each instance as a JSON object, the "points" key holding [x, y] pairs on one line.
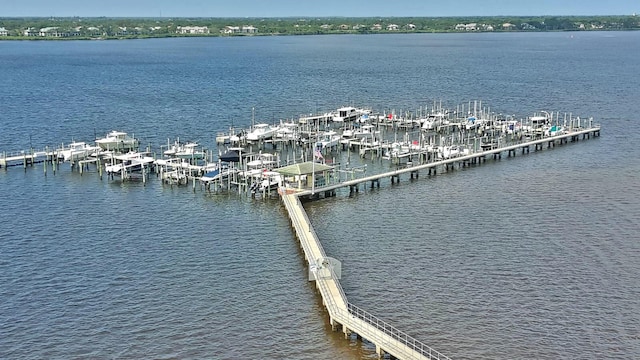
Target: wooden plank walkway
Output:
{"points": [[550, 140], [24, 158], [386, 338]]}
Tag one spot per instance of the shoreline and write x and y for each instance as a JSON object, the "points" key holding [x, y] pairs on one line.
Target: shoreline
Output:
{"points": [[166, 36], [97, 28]]}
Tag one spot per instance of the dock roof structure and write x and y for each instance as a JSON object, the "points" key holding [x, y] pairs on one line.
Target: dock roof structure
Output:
{"points": [[304, 168]]}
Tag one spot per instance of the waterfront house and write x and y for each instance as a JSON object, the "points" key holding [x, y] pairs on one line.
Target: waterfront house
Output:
{"points": [[248, 29], [4, 32], [30, 32], [467, 27], [192, 30], [51, 31], [392, 27], [230, 30]]}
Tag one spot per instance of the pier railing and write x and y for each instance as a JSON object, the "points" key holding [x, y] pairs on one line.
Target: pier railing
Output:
{"points": [[350, 316], [397, 335], [355, 312], [299, 226]]}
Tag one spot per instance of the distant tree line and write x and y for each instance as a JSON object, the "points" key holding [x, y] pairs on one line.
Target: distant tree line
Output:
{"points": [[102, 27]]}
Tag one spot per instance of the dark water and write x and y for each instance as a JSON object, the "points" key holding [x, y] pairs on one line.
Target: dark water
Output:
{"points": [[529, 257]]}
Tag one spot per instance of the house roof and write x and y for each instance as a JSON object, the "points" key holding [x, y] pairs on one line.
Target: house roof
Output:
{"points": [[303, 168]]}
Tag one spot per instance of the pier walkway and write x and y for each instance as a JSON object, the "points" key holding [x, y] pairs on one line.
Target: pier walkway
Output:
{"points": [[326, 271], [464, 159], [24, 158], [350, 318]]}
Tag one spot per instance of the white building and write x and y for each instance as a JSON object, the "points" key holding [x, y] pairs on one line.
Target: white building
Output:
{"points": [[230, 30], [30, 32], [4, 32], [50, 32], [192, 30], [248, 29]]}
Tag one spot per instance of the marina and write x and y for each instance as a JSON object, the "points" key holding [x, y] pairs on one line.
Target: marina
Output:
{"points": [[442, 139], [452, 142]]}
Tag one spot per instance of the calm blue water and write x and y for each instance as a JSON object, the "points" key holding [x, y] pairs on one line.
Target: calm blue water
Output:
{"points": [[529, 257]]}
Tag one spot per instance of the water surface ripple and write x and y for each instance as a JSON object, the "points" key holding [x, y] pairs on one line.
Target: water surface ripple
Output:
{"points": [[535, 256]]}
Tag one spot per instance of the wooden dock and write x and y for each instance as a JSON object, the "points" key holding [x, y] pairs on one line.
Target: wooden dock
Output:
{"points": [[325, 271], [477, 157], [322, 269], [24, 158]]}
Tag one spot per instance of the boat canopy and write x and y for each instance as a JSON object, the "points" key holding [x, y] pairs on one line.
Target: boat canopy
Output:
{"points": [[304, 168], [230, 156]]}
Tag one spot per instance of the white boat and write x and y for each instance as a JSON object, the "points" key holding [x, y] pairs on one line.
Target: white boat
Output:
{"points": [[268, 181], [397, 150], [349, 113], [118, 140], [217, 174], [433, 121], [473, 123], [540, 123], [317, 119], [287, 131], [327, 140], [129, 162], [184, 151], [554, 130], [232, 137], [261, 132], [365, 131], [348, 132], [403, 149], [452, 151], [262, 161], [173, 163], [512, 127], [77, 151]]}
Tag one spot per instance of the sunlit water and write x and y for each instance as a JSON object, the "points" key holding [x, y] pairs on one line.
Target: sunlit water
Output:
{"points": [[535, 256]]}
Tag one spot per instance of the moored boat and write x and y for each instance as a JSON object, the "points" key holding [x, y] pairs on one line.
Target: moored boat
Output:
{"points": [[184, 151], [261, 132], [129, 162], [118, 141], [77, 151]]}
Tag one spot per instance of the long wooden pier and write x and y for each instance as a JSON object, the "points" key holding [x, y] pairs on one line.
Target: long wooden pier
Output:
{"points": [[322, 269], [325, 272], [476, 157]]}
